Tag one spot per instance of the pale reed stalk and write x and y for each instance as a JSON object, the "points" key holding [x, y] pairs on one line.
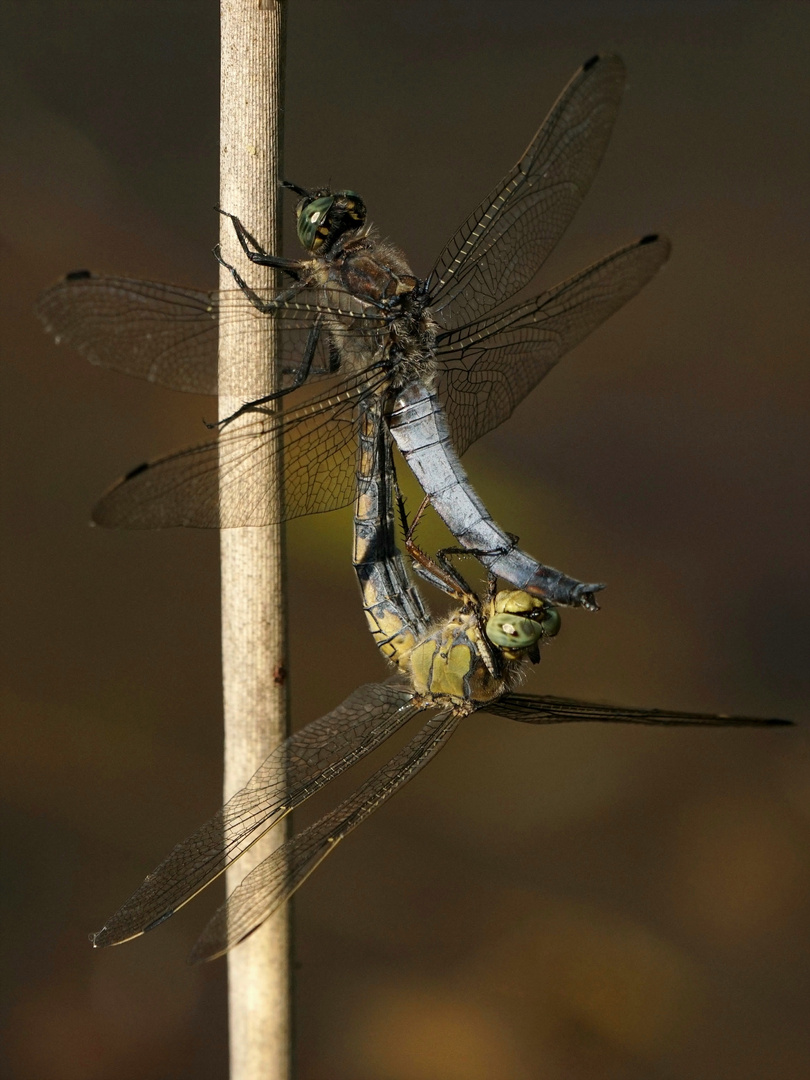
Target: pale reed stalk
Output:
{"points": [[253, 599]]}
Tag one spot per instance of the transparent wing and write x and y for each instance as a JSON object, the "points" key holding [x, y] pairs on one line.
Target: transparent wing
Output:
{"points": [[489, 366], [293, 772], [169, 335], [505, 241], [546, 709], [274, 881], [317, 442], [486, 369]]}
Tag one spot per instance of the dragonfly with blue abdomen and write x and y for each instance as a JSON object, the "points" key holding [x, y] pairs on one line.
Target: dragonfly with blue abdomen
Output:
{"points": [[445, 356], [470, 661]]}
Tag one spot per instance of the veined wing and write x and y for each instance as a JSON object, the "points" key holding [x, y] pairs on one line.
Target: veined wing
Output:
{"points": [[293, 772], [505, 241], [489, 366], [317, 442], [168, 334], [275, 879], [547, 709], [271, 883]]}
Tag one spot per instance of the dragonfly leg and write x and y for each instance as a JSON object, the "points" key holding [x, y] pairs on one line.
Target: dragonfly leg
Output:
{"points": [[242, 235], [492, 586], [256, 253], [298, 380], [438, 572], [477, 553], [489, 654], [408, 528], [266, 307], [492, 579], [418, 424], [297, 189], [417, 555]]}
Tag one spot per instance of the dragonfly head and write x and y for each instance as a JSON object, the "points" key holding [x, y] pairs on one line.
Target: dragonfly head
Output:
{"points": [[323, 216], [518, 622]]}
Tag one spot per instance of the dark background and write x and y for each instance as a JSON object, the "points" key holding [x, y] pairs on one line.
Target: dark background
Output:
{"points": [[561, 903]]}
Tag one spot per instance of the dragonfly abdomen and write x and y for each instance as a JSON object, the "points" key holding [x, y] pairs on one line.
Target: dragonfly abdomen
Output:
{"points": [[419, 426], [394, 610]]}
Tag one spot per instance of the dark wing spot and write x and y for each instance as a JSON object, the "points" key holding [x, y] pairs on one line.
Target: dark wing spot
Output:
{"points": [[156, 922], [138, 469]]}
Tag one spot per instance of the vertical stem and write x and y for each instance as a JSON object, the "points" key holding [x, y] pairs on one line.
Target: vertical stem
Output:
{"points": [[253, 600]]}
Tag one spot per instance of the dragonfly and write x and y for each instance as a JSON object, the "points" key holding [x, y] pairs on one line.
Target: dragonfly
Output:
{"points": [[468, 662], [445, 355]]}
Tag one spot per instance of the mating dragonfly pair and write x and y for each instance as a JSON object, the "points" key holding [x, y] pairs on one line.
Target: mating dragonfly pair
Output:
{"points": [[375, 357]]}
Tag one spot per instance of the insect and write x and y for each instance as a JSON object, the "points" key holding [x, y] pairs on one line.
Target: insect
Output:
{"points": [[444, 356], [470, 661]]}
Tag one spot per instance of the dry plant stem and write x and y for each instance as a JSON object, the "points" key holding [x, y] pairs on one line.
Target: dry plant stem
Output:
{"points": [[253, 599]]}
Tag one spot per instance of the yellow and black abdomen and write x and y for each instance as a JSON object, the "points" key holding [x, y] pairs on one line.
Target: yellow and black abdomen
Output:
{"points": [[393, 608]]}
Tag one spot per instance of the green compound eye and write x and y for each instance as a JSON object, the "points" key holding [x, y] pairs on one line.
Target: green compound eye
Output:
{"points": [[310, 217], [552, 622], [513, 632]]}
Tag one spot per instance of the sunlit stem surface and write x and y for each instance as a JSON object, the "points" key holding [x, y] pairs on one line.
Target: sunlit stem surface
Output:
{"points": [[253, 600]]}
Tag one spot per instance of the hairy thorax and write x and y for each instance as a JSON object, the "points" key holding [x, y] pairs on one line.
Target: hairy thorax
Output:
{"points": [[446, 667], [364, 275]]}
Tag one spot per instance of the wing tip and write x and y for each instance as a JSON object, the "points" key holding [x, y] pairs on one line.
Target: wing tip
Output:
{"points": [[663, 243], [107, 513], [42, 303], [105, 937], [108, 935], [605, 60], [211, 946], [104, 511], [71, 276], [203, 953], [98, 517]]}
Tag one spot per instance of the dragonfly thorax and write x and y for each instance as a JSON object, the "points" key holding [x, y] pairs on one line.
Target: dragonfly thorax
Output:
{"points": [[362, 268], [468, 661], [447, 666]]}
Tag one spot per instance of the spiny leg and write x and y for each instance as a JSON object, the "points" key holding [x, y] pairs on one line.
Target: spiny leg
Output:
{"points": [[256, 253], [299, 379], [442, 575], [419, 566], [266, 307], [490, 655]]}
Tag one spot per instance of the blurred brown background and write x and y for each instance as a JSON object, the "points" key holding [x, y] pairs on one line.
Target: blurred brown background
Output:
{"points": [[563, 903]]}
